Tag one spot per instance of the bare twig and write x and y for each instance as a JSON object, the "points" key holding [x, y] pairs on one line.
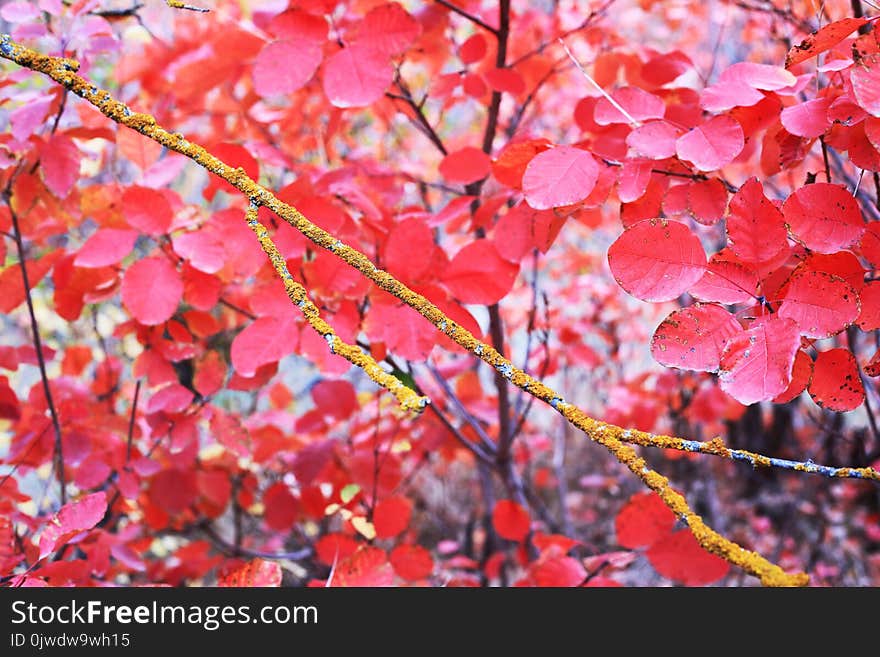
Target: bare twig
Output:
{"points": [[38, 345], [473, 19]]}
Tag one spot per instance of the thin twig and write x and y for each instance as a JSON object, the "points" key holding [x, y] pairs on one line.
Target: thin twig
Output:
{"points": [[473, 19], [629, 117], [38, 345]]}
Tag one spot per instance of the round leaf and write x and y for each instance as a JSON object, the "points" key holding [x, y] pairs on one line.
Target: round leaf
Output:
{"points": [[151, 290], [693, 338], [657, 260], [560, 176]]}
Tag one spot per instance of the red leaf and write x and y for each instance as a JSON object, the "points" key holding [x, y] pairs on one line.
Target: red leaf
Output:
{"points": [[174, 490], [408, 249], [865, 77], [367, 567], [280, 507], [655, 139], [633, 181], [59, 163], [712, 145], [151, 290], [842, 264], [71, 519], [869, 317], [707, 200], [265, 340], [756, 364], [643, 520], [755, 226], [258, 572], [473, 50], [147, 210], [465, 166], [657, 260], [388, 29], [335, 398], [210, 374], [824, 217], [356, 76], [801, 372], [106, 246], [511, 164], [836, 384], [557, 570], [823, 39], [870, 244], [639, 104], [822, 305], [10, 409], [478, 274], [809, 119], [173, 398], [285, 66], [679, 557], [412, 562], [12, 286], [505, 80], [391, 516], [333, 548], [560, 176], [510, 520], [693, 338], [741, 84]]}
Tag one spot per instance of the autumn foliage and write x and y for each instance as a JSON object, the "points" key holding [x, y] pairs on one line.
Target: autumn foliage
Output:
{"points": [[676, 229]]}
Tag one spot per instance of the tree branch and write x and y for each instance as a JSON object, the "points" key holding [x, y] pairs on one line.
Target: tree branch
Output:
{"points": [[717, 447]]}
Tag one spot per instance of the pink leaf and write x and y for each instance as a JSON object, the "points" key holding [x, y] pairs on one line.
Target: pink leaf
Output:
{"points": [[265, 340], [147, 210], [712, 145], [755, 226], [59, 163], [106, 246], [478, 274], [821, 304], [285, 66], [693, 338], [809, 119], [727, 280], [389, 29], [465, 166], [824, 217], [756, 364], [657, 260], [151, 290], [865, 77], [356, 76], [655, 139], [638, 103], [71, 519], [560, 176]]}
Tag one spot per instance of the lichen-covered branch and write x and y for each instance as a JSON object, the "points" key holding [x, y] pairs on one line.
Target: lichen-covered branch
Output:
{"points": [[716, 447], [62, 70], [298, 295]]}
